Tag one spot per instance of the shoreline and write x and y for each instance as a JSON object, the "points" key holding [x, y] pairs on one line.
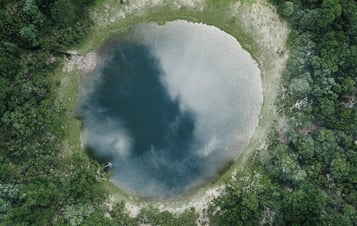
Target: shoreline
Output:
{"points": [[262, 36]]}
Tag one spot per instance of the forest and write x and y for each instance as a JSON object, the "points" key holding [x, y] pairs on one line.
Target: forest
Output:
{"points": [[307, 175]]}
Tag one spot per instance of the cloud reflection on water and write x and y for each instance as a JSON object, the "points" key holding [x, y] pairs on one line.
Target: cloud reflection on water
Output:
{"points": [[170, 105]]}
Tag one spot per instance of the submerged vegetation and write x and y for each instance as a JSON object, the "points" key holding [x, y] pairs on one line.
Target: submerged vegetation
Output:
{"points": [[306, 175]]}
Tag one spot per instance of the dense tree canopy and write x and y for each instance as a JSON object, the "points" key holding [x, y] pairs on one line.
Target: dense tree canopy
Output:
{"points": [[307, 178], [33, 190], [314, 168]]}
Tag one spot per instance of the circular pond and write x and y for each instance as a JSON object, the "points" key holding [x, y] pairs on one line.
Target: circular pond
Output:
{"points": [[169, 106]]}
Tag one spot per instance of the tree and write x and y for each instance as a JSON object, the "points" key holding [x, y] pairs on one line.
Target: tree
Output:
{"points": [[63, 12], [326, 111], [305, 148], [331, 9], [121, 217], [281, 164], [30, 121], [98, 218], [340, 168], [244, 201], [286, 8], [348, 86], [33, 13], [305, 19], [75, 214], [304, 206], [300, 86], [349, 13], [30, 8], [8, 196], [29, 35], [326, 146]]}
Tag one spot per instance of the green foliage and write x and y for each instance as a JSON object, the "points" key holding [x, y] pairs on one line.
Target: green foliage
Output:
{"points": [[326, 146], [98, 218], [245, 202], [81, 182], [29, 35], [120, 217], [31, 121], [340, 168], [304, 206], [348, 86], [309, 178], [153, 216], [283, 165], [63, 12], [286, 9], [300, 86], [75, 214], [8, 195], [312, 164], [30, 8], [305, 148], [331, 9]]}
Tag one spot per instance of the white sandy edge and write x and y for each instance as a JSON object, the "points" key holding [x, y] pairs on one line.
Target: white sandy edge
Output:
{"points": [[198, 203], [271, 34]]}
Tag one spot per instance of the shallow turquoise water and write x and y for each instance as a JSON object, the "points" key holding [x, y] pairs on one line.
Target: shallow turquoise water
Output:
{"points": [[169, 106]]}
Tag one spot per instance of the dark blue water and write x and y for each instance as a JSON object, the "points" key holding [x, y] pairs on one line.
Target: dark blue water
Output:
{"points": [[169, 106], [131, 97]]}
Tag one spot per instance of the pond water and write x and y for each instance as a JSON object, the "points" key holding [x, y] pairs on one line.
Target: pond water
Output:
{"points": [[169, 106]]}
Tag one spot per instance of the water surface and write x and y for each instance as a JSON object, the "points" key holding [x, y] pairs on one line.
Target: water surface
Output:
{"points": [[169, 106]]}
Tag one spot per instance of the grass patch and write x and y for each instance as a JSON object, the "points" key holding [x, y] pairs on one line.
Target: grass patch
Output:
{"points": [[65, 87]]}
